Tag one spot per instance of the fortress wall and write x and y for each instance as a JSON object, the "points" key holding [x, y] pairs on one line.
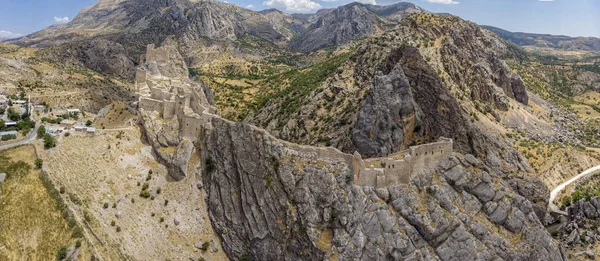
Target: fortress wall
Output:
{"points": [[398, 172], [140, 74], [368, 177], [169, 109], [192, 126], [151, 104], [195, 103], [156, 54], [156, 93], [428, 156]]}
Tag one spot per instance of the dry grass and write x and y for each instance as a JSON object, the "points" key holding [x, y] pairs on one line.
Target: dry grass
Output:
{"points": [[118, 117], [99, 174], [32, 227]]}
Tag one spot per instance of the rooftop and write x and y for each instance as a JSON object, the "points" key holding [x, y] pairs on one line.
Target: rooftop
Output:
{"points": [[69, 122], [8, 133]]}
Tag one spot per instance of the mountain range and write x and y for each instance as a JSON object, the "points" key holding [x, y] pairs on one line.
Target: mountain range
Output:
{"points": [[549, 41], [220, 27]]}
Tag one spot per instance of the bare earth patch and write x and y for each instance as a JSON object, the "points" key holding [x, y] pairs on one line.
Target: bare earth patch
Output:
{"points": [[108, 173]]}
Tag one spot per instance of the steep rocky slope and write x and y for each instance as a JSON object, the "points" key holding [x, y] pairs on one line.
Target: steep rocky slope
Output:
{"points": [[285, 202], [425, 72], [432, 76], [336, 27]]}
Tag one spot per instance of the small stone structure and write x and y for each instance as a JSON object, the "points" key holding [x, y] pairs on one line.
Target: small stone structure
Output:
{"points": [[400, 167], [185, 100]]}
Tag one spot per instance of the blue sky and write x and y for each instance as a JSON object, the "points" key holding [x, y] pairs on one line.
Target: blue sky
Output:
{"points": [[567, 17]]}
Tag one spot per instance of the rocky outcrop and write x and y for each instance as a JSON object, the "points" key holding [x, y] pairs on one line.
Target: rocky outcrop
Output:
{"points": [[279, 203], [97, 54], [405, 100], [336, 27], [273, 200]]}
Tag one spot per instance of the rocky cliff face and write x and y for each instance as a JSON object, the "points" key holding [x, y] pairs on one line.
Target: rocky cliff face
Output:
{"points": [[336, 27], [272, 200], [280, 204], [410, 78]]}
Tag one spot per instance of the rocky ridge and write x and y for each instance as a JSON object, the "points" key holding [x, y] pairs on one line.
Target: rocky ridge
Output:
{"points": [[204, 30], [289, 202]]}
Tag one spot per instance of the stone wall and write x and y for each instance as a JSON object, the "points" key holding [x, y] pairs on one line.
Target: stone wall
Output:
{"points": [[428, 156], [159, 54], [151, 104], [401, 167]]}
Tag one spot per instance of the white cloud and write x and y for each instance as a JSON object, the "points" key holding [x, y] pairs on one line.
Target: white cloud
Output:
{"points": [[9, 34], [446, 2], [61, 20], [294, 5], [250, 6]]}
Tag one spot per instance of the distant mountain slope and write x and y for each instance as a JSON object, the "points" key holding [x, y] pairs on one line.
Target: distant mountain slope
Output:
{"points": [[137, 23], [346, 23], [546, 40]]}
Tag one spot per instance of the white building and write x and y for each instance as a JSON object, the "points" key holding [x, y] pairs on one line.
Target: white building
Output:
{"points": [[73, 111]]}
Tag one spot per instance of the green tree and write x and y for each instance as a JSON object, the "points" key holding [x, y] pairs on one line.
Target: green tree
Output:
{"points": [[39, 163], [41, 131], [88, 123], [2, 124], [2, 110], [49, 141]]}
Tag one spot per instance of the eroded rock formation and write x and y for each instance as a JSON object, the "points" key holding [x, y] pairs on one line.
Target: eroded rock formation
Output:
{"points": [[273, 200]]}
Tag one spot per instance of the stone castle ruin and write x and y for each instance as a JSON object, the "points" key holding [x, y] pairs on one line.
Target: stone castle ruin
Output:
{"points": [[164, 87]]}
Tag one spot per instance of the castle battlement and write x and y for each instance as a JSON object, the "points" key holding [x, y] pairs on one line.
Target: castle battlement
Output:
{"points": [[186, 99]]}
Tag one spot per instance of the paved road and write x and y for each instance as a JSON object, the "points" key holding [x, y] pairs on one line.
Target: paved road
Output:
{"points": [[560, 187], [28, 139]]}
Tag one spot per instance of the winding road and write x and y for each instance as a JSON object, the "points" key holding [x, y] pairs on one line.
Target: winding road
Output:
{"points": [[553, 207], [28, 139]]}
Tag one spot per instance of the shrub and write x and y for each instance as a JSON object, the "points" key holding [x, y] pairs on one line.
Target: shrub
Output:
{"points": [[77, 232], [118, 229], [49, 141], [71, 222], [113, 223], [41, 131], [145, 194], [162, 219], [39, 163], [205, 246], [105, 205], [62, 253], [78, 244], [88, 123], [209, 164], [166, 202]]}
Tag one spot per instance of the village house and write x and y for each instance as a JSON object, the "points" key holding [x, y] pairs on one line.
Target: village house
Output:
{"points": [[22, 111], [18, 102], [4, 133], [39, 108], [9, 124], [91, 131], [73, 111], [52, 131], [68, 123]]}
